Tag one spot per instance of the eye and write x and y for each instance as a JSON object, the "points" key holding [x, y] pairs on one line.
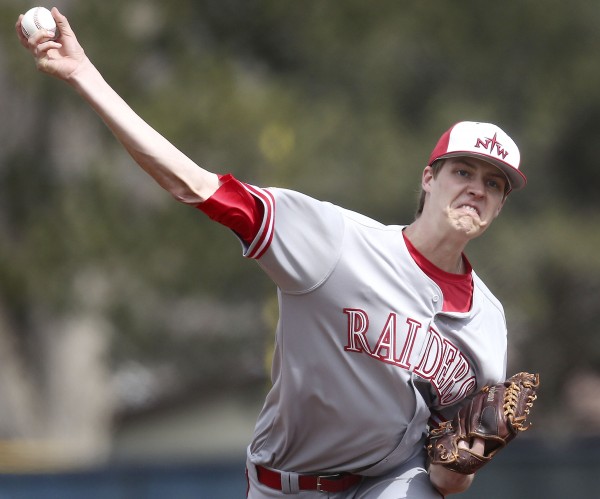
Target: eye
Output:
{"points": [[496, 184], [461, 172]]}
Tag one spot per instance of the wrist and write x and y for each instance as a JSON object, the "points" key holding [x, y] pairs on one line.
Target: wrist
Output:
{"points": [[82, 73], [449, 482]]}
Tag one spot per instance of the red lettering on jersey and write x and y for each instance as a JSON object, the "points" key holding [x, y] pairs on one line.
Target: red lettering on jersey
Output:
{"points": [[452, 373], [460, 392], [387, 341], [413, 327], [449, 353], [441, 362], [430, 360], [447, 369], [358, 324]]}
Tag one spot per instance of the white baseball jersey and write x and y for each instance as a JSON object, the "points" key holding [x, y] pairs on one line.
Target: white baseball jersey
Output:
{"points": [[363, 350]]}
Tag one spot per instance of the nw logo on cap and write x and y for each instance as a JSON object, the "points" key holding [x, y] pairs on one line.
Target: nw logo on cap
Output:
{"points": [[490, 144]]}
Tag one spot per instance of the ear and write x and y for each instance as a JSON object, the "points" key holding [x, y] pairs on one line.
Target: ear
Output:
{"points": [[426, 178]]}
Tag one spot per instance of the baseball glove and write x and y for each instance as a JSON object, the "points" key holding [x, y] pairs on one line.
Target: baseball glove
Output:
{"points": [[496, 415]]}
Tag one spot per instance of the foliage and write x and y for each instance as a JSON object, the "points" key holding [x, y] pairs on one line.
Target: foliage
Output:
{"points": [[342, 100]]}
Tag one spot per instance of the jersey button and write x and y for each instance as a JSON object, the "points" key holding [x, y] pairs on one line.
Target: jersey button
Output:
{"points": [[435, 298]]}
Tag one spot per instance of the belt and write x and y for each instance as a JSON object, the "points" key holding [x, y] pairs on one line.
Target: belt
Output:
{"points": [[322, 483]]}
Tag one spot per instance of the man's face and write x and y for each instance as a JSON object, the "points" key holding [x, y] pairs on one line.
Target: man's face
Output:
{"points": [[467, 194]]}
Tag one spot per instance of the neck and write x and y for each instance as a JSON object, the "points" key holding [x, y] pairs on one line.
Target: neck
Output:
{"points": [[445, 251]]}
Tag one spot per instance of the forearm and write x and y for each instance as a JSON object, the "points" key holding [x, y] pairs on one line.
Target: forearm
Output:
{"points": [[448, 482], [172, 170]]}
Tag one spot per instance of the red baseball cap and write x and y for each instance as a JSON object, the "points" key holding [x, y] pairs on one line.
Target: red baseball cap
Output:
{"points": [[484, 141]]}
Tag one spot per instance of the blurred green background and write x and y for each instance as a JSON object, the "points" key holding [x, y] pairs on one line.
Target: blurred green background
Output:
{"points": [[131, 327]]}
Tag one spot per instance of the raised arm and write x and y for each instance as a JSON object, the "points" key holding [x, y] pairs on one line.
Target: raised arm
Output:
{"points": [[64, 58]]}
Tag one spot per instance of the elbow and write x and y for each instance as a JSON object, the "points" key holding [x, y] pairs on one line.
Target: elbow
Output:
{"points": [[186, 197], [193, 192], [187, 193]]}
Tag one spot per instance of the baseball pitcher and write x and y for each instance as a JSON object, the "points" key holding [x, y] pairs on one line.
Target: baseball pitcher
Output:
{"points": [[389, 372]]}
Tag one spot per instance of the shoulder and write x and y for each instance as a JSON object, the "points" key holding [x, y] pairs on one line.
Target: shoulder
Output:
{"points": [[360, 219], [365, 222], [293, 207], [306, 241], [290, 200]]}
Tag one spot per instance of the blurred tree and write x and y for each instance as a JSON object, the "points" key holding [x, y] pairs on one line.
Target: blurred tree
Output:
{"points": [[106, 283]]}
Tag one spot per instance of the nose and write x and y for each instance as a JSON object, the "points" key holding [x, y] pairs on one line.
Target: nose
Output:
{"points": [[477, 187]]}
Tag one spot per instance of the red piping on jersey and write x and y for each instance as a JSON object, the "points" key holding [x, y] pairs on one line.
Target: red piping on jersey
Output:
{"points": [[246, 210], [265, 233]]}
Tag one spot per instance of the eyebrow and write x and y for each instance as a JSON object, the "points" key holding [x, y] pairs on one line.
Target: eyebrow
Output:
{"points": [[496, 172]]}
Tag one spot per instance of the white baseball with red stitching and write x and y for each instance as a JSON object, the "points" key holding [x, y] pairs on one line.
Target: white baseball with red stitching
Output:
{"points": [[36, 19]]}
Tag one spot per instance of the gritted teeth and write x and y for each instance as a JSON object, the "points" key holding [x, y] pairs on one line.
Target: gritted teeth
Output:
{"points": [[469, 207]]}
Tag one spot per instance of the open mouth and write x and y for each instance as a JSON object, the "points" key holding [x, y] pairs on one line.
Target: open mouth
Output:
{"points": [[469, 208]]}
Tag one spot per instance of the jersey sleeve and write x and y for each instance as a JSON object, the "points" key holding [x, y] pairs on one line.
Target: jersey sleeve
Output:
{"points": [[235, 206], [295, 238], [306, 243]]}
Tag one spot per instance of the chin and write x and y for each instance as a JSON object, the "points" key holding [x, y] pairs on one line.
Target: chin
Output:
{"points": [[469, 226]]}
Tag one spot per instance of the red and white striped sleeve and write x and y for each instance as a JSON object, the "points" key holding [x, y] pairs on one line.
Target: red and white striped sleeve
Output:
{"points": [[264, 235], [246, 210]]}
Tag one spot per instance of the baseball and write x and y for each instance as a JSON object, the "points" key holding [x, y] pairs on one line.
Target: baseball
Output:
{"points": [[36, 19]]}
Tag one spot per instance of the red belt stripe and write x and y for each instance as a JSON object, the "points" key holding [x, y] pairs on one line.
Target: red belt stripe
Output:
{"points": [[323, 483]]}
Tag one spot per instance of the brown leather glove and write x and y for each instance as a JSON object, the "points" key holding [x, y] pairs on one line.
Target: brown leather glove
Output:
{"points": [[496, 415]]}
